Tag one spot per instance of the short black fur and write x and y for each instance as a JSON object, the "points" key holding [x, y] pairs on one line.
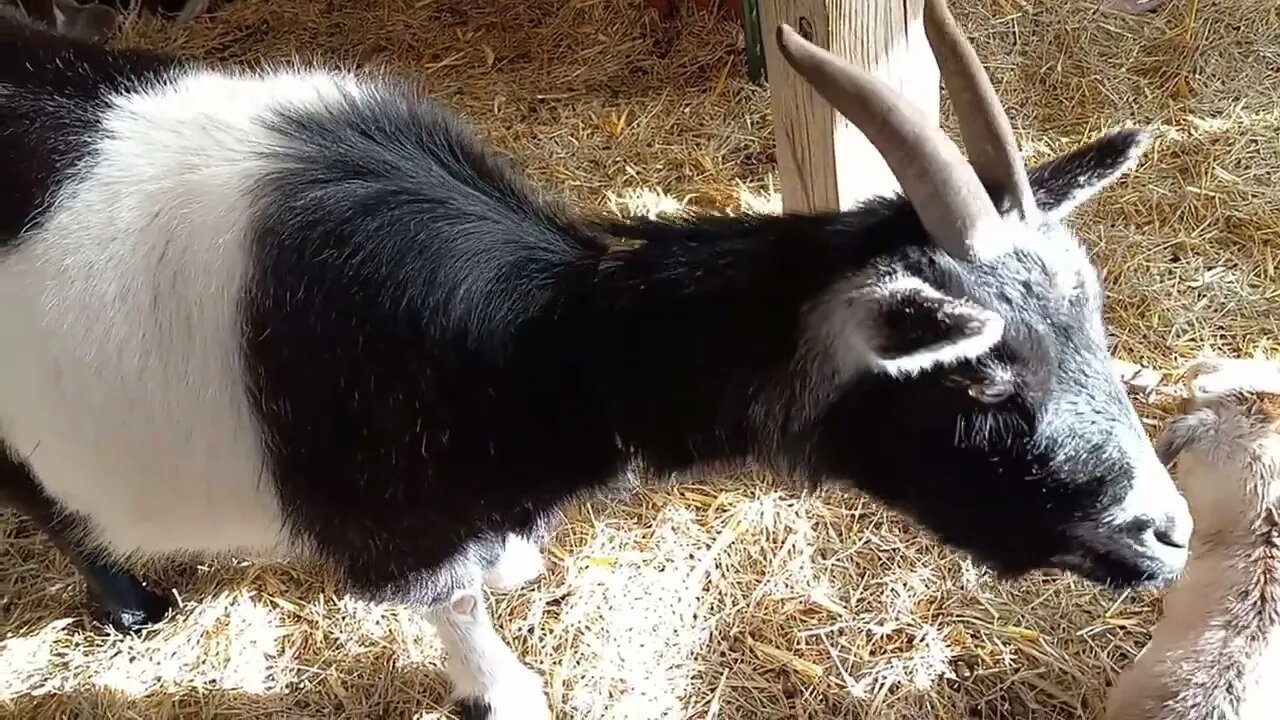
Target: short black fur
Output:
{"points": [[53, 91], [441, 357]]}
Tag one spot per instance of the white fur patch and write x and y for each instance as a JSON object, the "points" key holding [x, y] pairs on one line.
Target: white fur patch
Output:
{"points": [[521, 563], [1065, 258], [1153, 495], [995, 237], [120, 374], [481, 666]]}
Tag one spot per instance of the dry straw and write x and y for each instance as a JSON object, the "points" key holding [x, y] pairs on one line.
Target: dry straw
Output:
{"points": [[729, 597]]}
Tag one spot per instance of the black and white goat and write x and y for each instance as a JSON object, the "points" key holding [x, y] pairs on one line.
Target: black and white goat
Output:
{"points": [[1215, 655], [308, 312]]}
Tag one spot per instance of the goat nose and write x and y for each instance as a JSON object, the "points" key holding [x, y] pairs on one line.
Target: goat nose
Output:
{"points": [[1173, 530]]}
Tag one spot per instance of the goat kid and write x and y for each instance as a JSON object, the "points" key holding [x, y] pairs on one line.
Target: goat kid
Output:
{"points": [[91, 22], [308, 312], [1215, 654], [97, 21]]}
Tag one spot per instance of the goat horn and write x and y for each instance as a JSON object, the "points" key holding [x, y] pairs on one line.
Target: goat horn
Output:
{"points": [[984, 126], [947, 194]]}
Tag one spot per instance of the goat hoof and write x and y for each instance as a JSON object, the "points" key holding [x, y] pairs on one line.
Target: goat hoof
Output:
{"points": [[148, 609], [474, 709], [480, 709], [520, 698]]}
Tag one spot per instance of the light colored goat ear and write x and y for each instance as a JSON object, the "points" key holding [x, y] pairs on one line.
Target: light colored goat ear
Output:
{"points": [[1175, 438], [60, 9], [902, 326], [65, 11]]}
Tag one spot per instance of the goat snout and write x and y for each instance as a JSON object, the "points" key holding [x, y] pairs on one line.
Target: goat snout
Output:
{"points": [[1155, 520], [1172, 530], [1164, 535]]}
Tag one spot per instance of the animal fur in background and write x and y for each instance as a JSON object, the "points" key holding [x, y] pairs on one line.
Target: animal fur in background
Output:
{"points": [[94, 23], [1215, 654], [98, 21]]}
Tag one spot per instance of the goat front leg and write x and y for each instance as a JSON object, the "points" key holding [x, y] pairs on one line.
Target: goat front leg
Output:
{"points": [[489, 682]]}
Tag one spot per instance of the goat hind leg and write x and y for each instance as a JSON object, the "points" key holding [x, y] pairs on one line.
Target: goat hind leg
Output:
{"points": [[116, 597]]}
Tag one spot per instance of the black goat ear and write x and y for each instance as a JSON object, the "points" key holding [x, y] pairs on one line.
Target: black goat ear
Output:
{"points": [[902, 326], [1068, 181]]}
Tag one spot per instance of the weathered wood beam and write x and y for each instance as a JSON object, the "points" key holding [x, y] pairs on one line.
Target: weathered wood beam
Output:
{"points": [[824, 163]]}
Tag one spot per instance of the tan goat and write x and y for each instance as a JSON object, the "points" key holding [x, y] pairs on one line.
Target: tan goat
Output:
{"points": [[1215, 655]]}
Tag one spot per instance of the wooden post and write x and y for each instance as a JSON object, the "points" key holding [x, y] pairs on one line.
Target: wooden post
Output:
{"points": [[752, 42], [824, 163]]}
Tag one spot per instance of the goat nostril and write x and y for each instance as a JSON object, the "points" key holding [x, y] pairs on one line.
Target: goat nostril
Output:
{"points": [[1169, 531]]}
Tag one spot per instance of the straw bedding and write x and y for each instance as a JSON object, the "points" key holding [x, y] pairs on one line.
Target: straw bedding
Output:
{"points": [[723, 597]]}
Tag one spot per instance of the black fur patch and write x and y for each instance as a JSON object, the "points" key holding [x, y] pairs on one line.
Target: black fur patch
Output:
{"points": [[53, 91], [117, 597], [438, 357], [473, 709]]}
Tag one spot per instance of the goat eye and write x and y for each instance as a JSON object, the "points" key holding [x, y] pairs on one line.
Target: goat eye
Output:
{"points": [[990, 393]]}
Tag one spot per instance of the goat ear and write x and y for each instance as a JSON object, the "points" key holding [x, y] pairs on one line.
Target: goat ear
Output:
{"points": [[903, 326], [62, 9], [1072, 179], [191, 10], [1177, 434]]}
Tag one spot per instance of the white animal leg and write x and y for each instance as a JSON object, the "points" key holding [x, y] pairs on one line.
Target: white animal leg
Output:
{"points": [[489, 681], [1216, 376], [521, 563]]}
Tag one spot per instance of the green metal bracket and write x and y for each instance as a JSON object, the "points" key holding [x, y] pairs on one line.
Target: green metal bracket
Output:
{"points": [[757, 73]]}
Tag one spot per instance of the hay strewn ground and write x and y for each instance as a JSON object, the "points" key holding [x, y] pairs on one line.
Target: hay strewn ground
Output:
{"points": [[729, 598]]}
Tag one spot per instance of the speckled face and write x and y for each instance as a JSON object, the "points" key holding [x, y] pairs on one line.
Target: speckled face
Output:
{"points": [[1028, 455]]}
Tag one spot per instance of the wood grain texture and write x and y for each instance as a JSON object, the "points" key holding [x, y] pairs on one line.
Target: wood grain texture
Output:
{"points": [[824, 163]]}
